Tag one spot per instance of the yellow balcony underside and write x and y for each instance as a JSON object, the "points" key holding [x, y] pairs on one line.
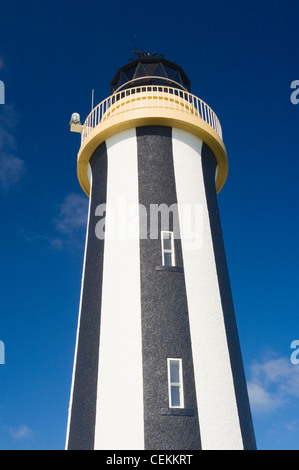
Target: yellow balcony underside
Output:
{"points": [[118, 118]]}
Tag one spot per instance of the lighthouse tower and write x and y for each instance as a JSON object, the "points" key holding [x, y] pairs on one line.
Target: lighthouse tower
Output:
{"points": [[158, 364]]}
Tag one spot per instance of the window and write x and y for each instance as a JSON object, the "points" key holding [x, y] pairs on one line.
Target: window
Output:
{"points": [[168, 258], [175, 383]]}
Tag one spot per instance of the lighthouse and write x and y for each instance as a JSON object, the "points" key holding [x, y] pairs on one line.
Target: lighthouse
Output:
{"points": [[158, 363]]}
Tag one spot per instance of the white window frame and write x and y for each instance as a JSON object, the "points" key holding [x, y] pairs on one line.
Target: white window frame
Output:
{"points": [[171, 251], [176, 384]]}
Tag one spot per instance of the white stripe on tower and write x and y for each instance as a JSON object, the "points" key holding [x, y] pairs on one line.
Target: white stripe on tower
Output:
{"points": [[215, 393], [119, 414]]}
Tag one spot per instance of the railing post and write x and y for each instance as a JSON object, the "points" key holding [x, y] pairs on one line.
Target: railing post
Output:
{"points": [[182, 101]]}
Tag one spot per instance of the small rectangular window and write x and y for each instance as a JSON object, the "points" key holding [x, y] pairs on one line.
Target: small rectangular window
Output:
{"points": [[168, 258], [175, 383]]}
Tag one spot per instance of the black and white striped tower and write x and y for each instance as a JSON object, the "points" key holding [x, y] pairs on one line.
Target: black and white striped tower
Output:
{"points": [[158, 364]]}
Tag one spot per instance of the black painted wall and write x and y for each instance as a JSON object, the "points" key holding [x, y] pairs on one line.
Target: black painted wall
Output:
{"points": [[165, 323], [83, 413], [164, 309]]}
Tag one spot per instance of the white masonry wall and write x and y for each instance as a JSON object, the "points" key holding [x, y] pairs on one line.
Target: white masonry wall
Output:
{"points": [[218, 414], [119, 416]]}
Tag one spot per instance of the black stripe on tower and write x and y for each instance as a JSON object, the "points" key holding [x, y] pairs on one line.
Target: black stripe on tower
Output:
{"points": [[164, 310], [209, 167], [83, 412]]}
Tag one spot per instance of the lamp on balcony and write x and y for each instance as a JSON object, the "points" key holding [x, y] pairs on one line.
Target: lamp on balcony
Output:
{"points": [[75, 123]]}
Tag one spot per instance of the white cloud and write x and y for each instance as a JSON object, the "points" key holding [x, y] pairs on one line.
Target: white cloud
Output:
{"points": [[12, 168], [261, 399], [21, 432], [72, 214], [53, 242], [293, 426], [272, 383], [69, 225]]}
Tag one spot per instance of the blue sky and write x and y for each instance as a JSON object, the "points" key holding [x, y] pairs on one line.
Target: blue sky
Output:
{"points": [[241, 58]]}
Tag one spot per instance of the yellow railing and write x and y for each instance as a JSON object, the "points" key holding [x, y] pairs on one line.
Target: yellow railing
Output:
{"points": [[150, 97]]}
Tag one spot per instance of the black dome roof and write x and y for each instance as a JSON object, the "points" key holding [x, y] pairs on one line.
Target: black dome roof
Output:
{"points": [[149, 69]]}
